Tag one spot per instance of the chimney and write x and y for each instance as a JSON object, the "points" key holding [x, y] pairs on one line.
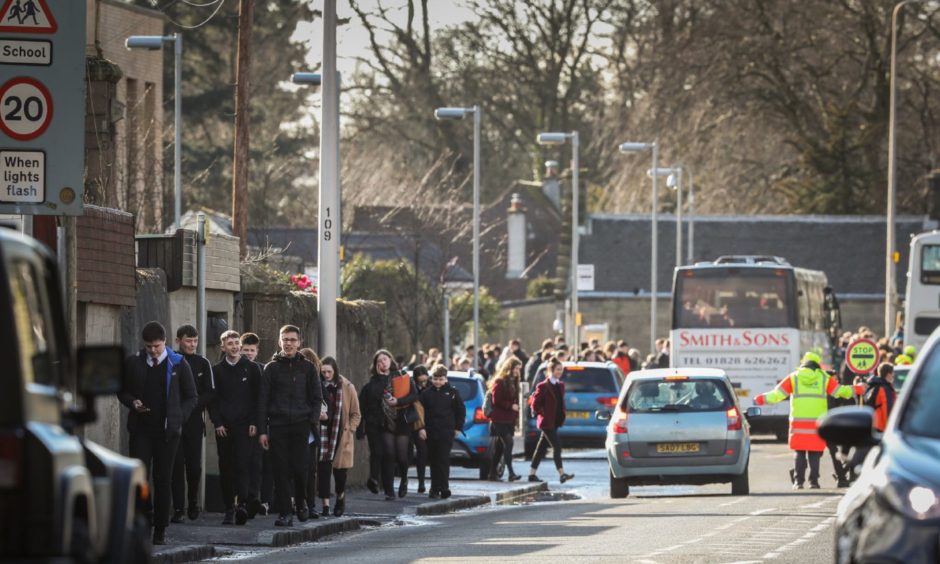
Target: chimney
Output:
{"points": [[515, 224], [551, 185]]}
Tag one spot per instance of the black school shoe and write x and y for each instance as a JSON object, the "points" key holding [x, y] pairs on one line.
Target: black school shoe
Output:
{"points": [[193, 512], [403, 487], [302, 514], [565, 477], [159, 536], [229, 518], [284, 521], [241, 515], [445, 494], [340, 506], [372, 485], [254, 507], [177, 516]]}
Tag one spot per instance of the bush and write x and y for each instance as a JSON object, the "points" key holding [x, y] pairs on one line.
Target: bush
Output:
{"points": [[542, 287]]}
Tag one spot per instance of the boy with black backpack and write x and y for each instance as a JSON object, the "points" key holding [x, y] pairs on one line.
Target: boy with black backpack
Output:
{"points": [[880, 395]]}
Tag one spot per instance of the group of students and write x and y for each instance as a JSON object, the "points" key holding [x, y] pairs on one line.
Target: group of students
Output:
{"points": [[283, 429]]}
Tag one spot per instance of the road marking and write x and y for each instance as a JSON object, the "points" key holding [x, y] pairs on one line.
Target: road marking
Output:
{"points": [[726, 504], [762, 511]]}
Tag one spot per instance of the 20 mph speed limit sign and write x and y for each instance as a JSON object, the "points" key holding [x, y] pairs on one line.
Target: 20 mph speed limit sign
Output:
{"points": [[42, 107], [25, 108]]}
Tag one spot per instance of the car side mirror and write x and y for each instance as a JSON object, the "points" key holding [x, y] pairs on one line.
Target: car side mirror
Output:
{"points": [[752, 411], [848, 426], [602, 415], [100, 370]]}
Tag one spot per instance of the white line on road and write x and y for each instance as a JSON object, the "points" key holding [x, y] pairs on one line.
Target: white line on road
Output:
{"points": [[762, 511], [727, 503]]}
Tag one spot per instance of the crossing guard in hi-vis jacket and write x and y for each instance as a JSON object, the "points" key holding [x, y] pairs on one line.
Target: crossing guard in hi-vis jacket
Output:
{"points": [[808, 388]]}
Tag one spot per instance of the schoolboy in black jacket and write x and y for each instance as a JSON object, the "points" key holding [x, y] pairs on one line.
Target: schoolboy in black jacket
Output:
{"points": [[233, 412], [444, 415]]}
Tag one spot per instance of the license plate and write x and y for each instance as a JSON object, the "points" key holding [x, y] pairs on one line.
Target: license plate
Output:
{"points": [[742, 393], [677, 447], [580, 414]]}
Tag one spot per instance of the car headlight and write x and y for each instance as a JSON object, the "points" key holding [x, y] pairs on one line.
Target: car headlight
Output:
{"points": [[910, 498]]}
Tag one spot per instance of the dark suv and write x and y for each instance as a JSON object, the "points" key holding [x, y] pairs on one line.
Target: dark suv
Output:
{"points": [[60, 496]]}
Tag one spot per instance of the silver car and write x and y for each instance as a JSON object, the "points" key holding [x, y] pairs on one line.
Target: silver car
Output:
{"points": [[677, 426]]}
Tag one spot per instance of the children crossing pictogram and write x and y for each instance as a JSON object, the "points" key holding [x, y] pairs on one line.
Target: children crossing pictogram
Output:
{"points": [[27, 16]]}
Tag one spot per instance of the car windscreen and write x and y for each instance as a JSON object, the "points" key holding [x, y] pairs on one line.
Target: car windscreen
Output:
{"points": [[734, 297], [686, 395], [465, 387], [921, 416], [586, 380]]}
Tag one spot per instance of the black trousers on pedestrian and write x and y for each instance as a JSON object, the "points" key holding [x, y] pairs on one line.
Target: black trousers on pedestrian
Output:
{"points": [[235, 465], [394, 456], [312, 468], [187, 469], [290, 455], [324, 471], [439, 459], [421, 456], [374, 438], [799, 463], [501, 444], [548, 438], [158, 453], [265, 469], [836, 463]]}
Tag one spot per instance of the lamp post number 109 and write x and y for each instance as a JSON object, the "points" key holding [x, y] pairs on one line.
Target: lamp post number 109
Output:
{"points": [[327, 226]]}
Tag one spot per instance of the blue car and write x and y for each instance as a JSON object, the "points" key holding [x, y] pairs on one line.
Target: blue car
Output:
{"points": [[472, 447], [591, 392]]}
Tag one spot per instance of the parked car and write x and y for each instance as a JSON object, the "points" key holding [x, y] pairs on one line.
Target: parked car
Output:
{"points": [[591, 391], [472, 447], [61, 496], [678, 426], [892, 512]]}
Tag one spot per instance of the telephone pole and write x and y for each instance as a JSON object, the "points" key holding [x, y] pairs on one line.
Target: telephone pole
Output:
{"points": [[240, 161]]}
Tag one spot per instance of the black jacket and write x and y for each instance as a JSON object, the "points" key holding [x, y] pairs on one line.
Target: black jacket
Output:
{"points": [[205, 388], [444, 411], [532, 367], [236, 393], [290, 393], [181, 397], [370, 404]]}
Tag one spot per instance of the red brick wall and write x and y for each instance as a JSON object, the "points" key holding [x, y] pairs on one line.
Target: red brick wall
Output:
{"points": [[106, 263]]}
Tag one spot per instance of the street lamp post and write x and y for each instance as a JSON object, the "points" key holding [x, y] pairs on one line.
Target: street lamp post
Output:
{"points": [[458, 114], [155, 43], [558, 139], [891, 287], [654, 148], [673, 176]]}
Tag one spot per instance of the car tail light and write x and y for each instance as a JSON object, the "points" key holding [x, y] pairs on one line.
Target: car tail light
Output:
{"points": [[619, 425], [608, 401], [10, 460], [478, 416], [481, 450], [734, 419]]}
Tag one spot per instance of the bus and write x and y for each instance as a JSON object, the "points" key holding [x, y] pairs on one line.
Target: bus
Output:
{"points": [[753, 317], [922, 300]]}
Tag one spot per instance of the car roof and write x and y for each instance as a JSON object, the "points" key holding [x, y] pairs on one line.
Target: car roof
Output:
{"points": [[660, 373], [583, 363]]}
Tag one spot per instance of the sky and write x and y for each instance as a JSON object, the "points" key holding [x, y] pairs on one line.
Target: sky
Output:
{"points": [[352, 40]]}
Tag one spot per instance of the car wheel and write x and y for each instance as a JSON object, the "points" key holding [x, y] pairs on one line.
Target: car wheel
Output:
{"points": [[484, 468], [782, 435], [81, 548], [140, 540], [619, 487], [740, 485]]}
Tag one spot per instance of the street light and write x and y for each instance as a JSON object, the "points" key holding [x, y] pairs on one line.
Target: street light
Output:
{"points": [[891, 286], [556, 138], [459, 114], [675, 182], [637, 148], [156, 43]]}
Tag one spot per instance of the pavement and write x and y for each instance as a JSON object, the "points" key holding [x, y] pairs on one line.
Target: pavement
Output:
{"points": [[206, 537]]}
